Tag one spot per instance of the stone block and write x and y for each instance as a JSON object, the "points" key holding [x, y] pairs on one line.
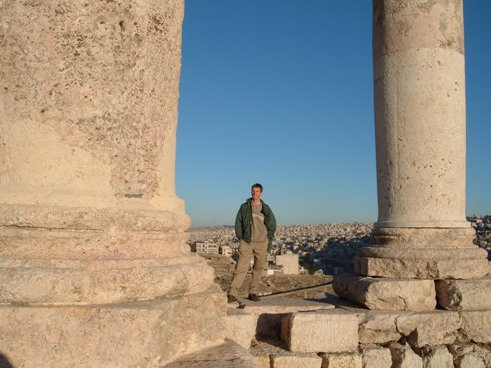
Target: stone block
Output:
{"points": [[240, 327], [85, 282], [353, 360], [263, 361], [469, 361], [438, 357], [270, 312], [296, 361], [325, 331], [422, 263], [387, 294], [376, 357], [464, 294], [405, 357], [482, 352], [378, 327], [430, 328], [476, 325], [225, 355], [148, 334], [377, 336]]}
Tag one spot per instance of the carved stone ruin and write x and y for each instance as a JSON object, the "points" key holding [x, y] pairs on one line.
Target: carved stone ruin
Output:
{"points": [[94, 266], [95, 270], [419, 81]]}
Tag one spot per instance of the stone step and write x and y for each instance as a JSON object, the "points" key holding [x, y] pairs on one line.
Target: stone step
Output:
{"points": [[274, 353], [327, 331], [246, 320], [227, 355], [464, 294], [387, 294]]}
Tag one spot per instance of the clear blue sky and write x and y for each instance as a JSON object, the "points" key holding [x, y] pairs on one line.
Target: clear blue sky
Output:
{"points": [[280, 92]]}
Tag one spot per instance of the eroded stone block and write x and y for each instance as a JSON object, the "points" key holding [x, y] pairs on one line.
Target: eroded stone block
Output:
{"points": [[476, 325], [387, 294], [405, 357], [438, 357], [376, 357], [296, 361], [379, 327], [430, 328], [464, 294], [240, 327], [139, 334], [469, 361], [263, 361], [325, 331], [353, 360]]}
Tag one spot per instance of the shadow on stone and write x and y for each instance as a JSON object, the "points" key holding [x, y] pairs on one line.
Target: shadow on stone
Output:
{"points": [[269, 325], [4, 362]]}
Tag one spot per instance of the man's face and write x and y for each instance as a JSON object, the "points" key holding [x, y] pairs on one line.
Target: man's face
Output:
{"points": [[256, 193]]}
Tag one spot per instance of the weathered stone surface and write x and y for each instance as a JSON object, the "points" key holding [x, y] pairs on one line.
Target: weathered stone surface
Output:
{"points": [[90, 111], [352, 360], [377, 336], [379, 327], [226, 355], [325, 331], [240, 327], [481, 352], [84, 282], [476, 325], [387, 294], [405, 357], [464, 294], [296, 361], [92, 243], [264, 361], [469, 361], [438, 357], [436, 268], [429, 329], [420, 242], [419, 87], [160, 331], [376, 357], [270, 312]]}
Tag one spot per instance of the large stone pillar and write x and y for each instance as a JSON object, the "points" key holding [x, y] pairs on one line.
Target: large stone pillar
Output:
{"points": [[94, 268], [419, 81]]}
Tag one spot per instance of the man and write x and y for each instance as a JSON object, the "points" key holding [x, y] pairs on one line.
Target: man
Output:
{"points": [[255, 226]]}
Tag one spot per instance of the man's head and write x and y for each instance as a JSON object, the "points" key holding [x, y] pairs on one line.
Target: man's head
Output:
{"points": [[256, 191]]}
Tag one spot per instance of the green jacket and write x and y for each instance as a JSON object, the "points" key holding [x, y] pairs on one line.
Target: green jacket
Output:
{"points": [[243, 221]]}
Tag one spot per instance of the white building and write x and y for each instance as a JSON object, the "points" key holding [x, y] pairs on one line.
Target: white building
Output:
{"points": [[289, 263]]}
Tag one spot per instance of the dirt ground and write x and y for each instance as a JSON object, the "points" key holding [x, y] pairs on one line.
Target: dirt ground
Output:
{"points": [[292, 285]]}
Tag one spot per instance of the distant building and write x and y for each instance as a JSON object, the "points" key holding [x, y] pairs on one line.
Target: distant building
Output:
{"points": [[206, 248], [226, 250], [289, 263]]}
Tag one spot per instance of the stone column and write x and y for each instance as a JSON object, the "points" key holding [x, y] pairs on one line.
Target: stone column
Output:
{"points": [[419, 81], [94, 266]]}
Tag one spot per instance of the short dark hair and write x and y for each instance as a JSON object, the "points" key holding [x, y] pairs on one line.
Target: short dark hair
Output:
{"points": [[257, 185]]}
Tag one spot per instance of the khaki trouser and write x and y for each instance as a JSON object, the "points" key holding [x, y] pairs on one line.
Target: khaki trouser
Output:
{"points": [[246, 250]]}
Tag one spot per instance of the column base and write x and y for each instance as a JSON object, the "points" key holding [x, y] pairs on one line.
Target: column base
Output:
{"points": [[148, 334], [464, 295], [422, 253], [470, 263], [387, 294]]}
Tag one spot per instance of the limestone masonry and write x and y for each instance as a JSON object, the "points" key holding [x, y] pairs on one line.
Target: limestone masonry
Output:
{"points": [[94, 266]]}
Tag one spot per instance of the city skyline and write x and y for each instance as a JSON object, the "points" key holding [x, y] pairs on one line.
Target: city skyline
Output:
{"points": [[281, 93]]}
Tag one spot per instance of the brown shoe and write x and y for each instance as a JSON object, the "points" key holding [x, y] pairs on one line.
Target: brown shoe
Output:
{"points": [[254, 297], [231, 299]]}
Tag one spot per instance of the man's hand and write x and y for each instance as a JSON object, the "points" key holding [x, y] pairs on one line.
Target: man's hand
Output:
{"points": [[270, 245]]}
